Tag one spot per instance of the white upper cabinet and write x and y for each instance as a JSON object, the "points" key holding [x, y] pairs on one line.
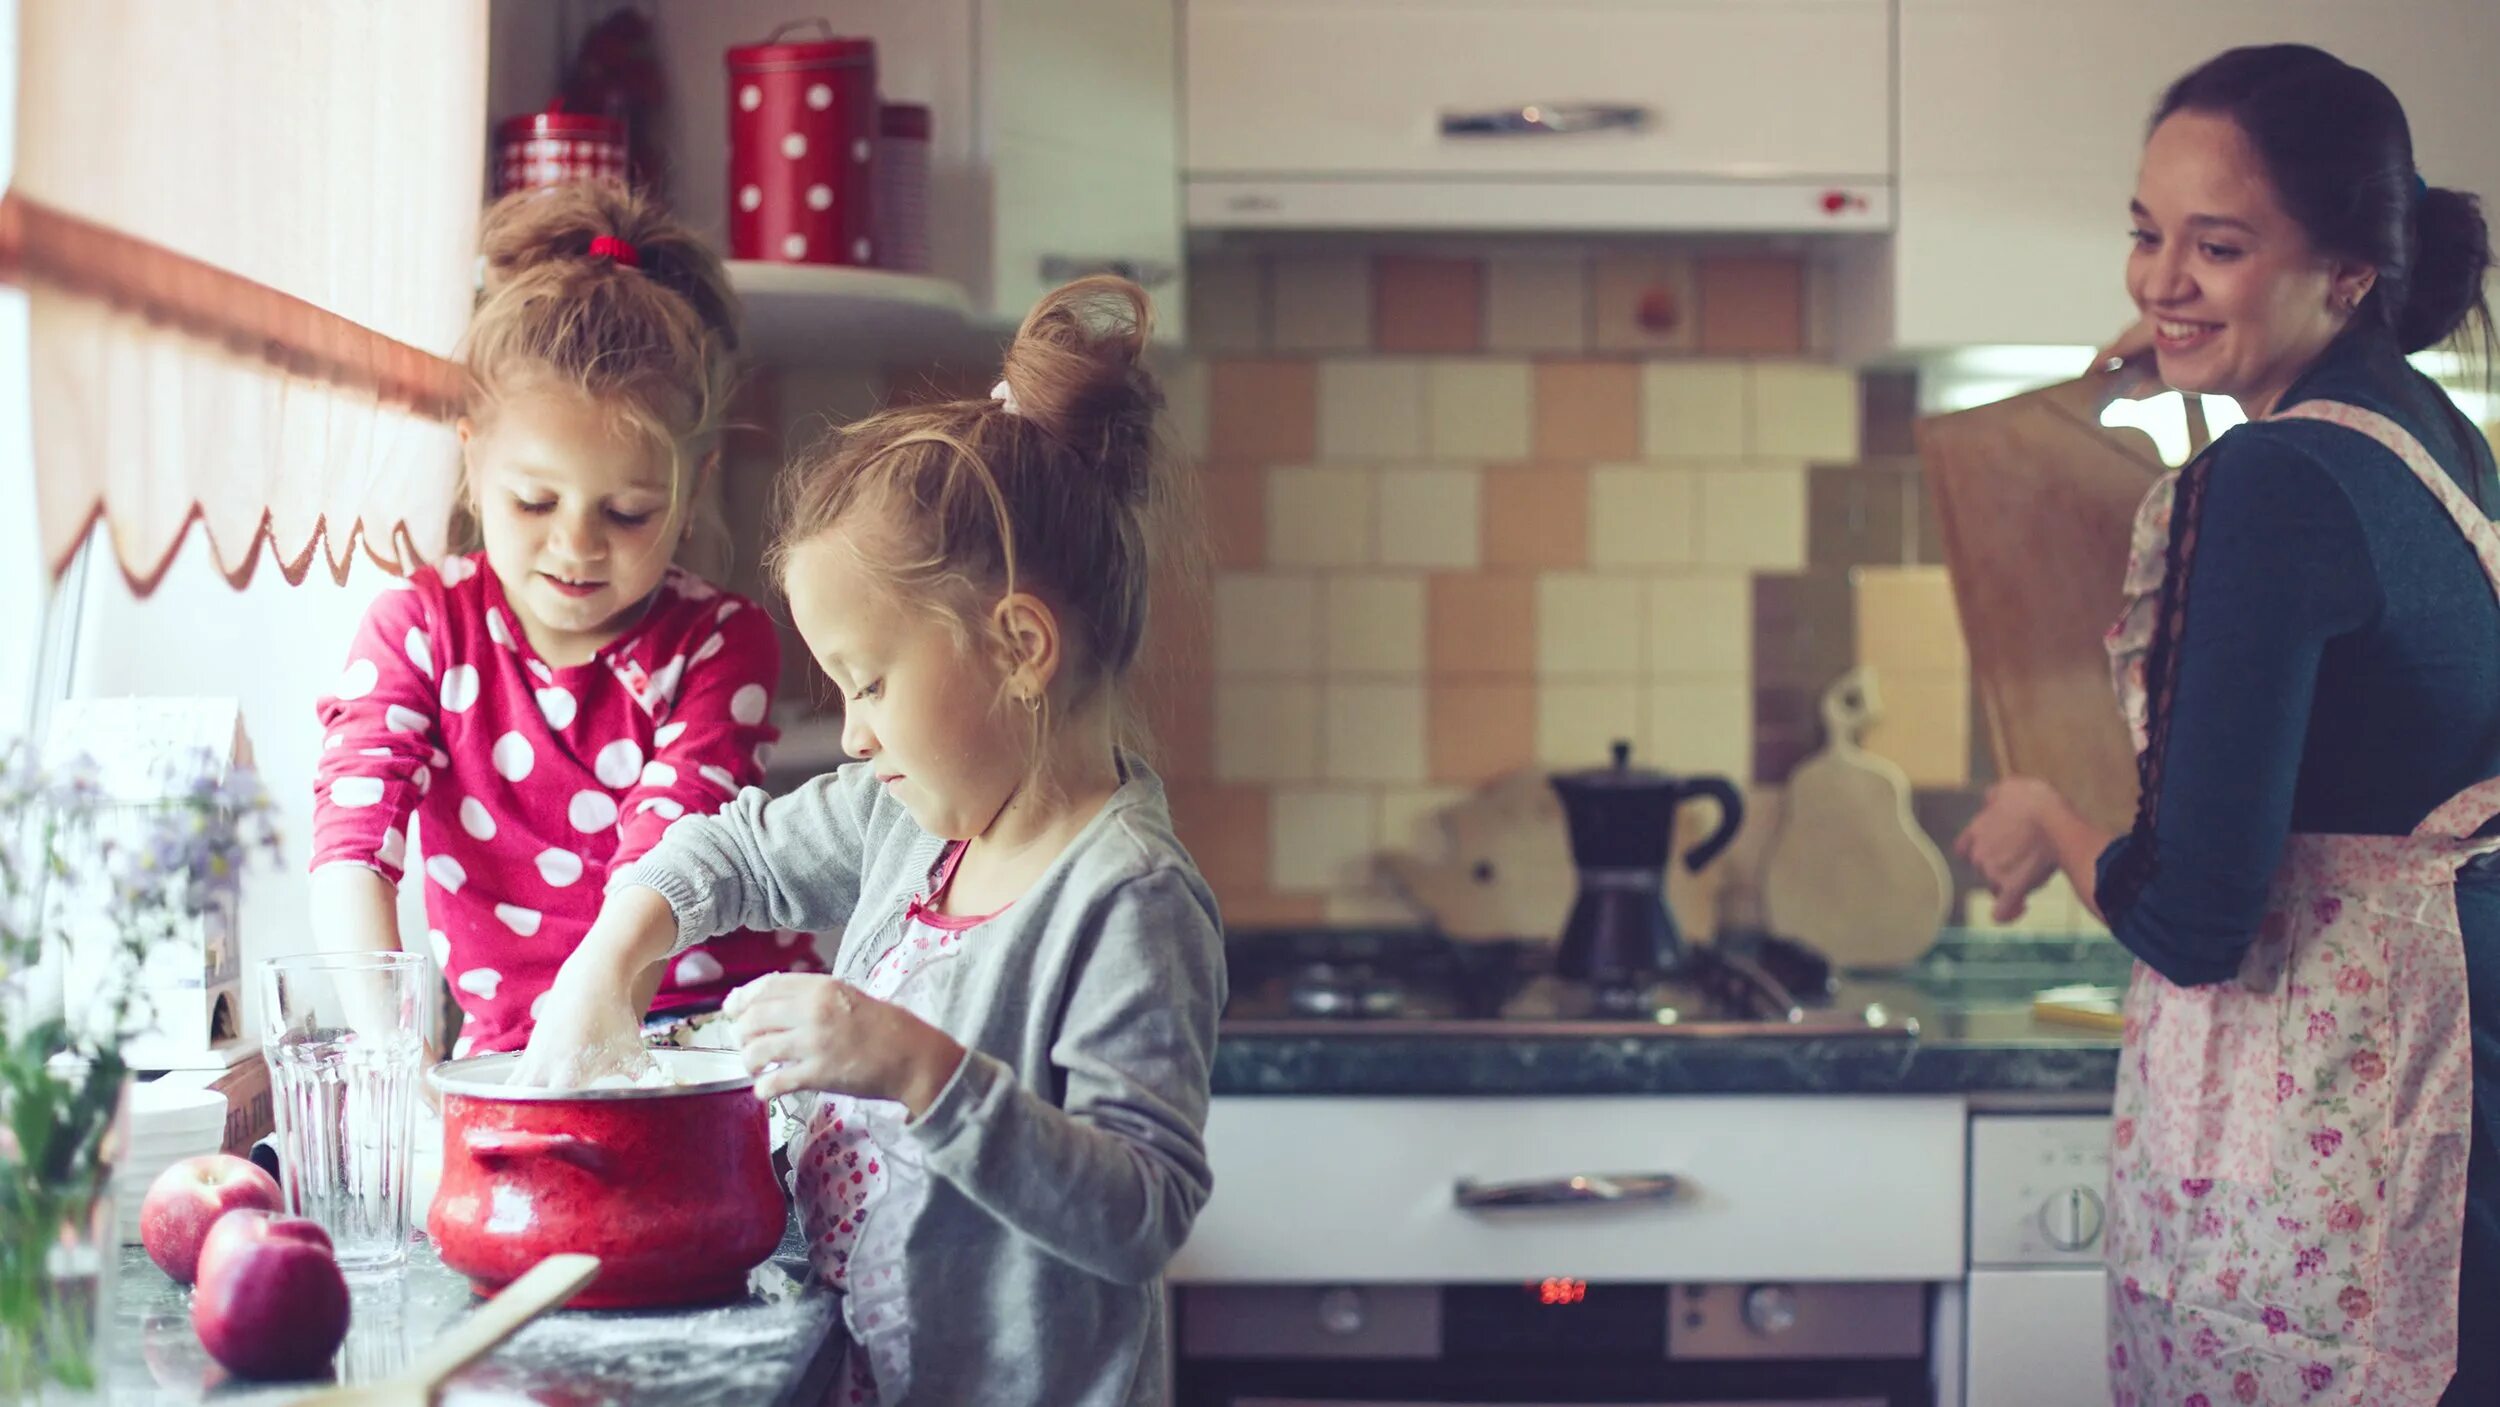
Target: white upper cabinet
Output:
{"points": [[1576, 114], [2021, 121]]}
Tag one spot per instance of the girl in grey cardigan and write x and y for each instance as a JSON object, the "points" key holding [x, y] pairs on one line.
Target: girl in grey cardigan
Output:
{"points": [[1005, 1080]]}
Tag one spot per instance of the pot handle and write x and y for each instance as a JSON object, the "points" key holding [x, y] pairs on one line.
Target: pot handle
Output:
{"points": [[500, 1146], [1731, 815]]}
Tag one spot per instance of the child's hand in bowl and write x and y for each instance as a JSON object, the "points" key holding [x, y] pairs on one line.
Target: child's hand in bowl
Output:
{"points": [[798, 1031]]}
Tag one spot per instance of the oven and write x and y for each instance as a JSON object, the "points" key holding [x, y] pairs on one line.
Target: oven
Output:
{"points": [[1552, 1341], [1627, 1250]]}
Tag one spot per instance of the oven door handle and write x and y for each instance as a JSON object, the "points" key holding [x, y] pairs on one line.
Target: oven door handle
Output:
{"points": [[1577, 1190]]}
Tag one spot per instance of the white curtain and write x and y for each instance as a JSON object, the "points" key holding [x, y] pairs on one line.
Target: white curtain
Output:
{"points": [[246, 233]]}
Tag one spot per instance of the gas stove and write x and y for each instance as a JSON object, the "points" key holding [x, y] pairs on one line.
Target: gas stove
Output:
{"points": [[1420, 983]]}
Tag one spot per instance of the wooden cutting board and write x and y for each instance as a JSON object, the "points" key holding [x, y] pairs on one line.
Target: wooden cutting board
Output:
{"points": [[1849, 873], [2037, 501]]}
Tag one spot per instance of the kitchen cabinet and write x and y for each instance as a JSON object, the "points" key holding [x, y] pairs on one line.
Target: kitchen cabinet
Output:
{"points": [[1358, 1190], [1053, 154], [2020, 124], [1657, 114]]}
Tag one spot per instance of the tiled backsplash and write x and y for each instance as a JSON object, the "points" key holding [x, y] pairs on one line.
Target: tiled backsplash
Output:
{"points": [[1477, 515]]}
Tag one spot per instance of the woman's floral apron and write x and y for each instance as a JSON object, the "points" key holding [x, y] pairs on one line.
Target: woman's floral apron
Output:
{"points": [[2288, 1157]]}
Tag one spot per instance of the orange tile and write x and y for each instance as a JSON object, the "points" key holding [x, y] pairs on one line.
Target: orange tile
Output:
{"points": [[1263, 412], [1481, 625], [1225, 829], [1536, 516], [1246, 907], [1427, 305], [1753, 306], [1234, 500], [1481, 730], [1588, 410]]}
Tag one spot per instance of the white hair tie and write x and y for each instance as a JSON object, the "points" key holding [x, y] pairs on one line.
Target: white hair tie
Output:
{"points": [[1006, 398]]}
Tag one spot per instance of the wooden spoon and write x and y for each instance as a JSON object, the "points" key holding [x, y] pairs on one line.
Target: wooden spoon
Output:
{"points": [[544, 1286]]}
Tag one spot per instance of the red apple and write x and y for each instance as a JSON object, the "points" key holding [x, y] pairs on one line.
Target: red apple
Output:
{"points": [[186, 1200], [271, 1302]]}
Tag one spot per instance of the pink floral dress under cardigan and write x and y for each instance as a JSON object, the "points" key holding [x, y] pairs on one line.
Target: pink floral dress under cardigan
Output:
{"points": [[841, 1170], [2288, 1164]]}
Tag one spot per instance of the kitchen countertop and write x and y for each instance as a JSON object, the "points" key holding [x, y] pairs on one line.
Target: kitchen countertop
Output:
{"points": [[1971, 1000], [782, 1344]]}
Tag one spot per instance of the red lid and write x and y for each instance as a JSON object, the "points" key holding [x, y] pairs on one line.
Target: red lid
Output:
{"points": [[829, 50], [908, 121], [556, 122]]}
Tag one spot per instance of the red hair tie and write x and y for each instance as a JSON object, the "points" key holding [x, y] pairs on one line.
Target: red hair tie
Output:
{"points": [[610, 247]]}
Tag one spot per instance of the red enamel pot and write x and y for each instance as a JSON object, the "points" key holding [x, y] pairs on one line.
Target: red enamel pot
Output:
{"points": [[671, 1187]]}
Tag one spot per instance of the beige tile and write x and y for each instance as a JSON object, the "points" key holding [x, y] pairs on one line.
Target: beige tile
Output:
{"points": [[1427, 304], [1185, 406], [1320, 303], [1925, 727], [1323, 838], [1577, 723], [1266, 624], [1803, 411], [1411, 819], [1754, 517], [1481, 729], [1374, 625], [1266, 731], [1702, 729], [1537, 516], [1228, 303], [1235, 503], [1372, 732], [1907, 622], [1588, 626], [1642, 516], [1476, 409], [1694, 410], [1642, 302], [1536, 303], [1430, 518], [1587, 410], [1482, 626], [1376, 907], [1701, 627], [1371, 408], [1320, 517]]}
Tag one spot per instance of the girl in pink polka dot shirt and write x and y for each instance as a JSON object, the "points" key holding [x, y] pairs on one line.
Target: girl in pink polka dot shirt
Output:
{"points": [[546, 707]]}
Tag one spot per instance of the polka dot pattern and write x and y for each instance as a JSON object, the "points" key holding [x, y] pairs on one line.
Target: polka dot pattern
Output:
{"points": [[591, 811], [460, 686], [495, 627], [446, 871], [719, 777], [356, 791], [668, 733], [513, 757], [618, 763], [420, 652], [662, 806], [658, 774], [748, 704], [480, 981], [558, 706], [520, 920], [560, 868], [455, 570], [359, 679], [394, 851], [698, 968], [399, 718], [475, 819]]}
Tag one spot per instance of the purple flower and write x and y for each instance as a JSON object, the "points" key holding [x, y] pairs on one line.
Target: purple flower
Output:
{"points": [[2275, 1320], [2316, 1376]]}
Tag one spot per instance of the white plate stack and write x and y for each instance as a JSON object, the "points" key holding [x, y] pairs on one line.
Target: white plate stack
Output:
{"points": [[168, 1123]]}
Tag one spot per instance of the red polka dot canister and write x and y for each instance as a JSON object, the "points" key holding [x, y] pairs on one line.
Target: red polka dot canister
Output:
{"points": [[557, 148], [802, 147]]}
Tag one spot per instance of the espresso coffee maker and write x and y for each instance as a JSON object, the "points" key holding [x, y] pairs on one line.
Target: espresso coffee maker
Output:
{"points": [[1620, 939]]}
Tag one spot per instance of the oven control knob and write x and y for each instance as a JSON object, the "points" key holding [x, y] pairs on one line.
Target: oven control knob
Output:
{"points": [[1770, 1309], [1341, 1311], [2071, 1219]]}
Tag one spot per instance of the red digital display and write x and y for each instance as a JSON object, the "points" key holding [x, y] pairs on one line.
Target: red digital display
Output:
{"points": [[1556, 1290]]}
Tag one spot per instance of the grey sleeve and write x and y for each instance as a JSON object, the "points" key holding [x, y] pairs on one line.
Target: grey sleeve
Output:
{"points": [[764, 862], [1111, 1179]]}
